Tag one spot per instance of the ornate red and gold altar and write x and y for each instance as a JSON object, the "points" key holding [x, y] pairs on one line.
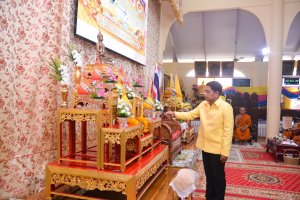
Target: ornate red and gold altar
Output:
{"points": [[125, 160]]}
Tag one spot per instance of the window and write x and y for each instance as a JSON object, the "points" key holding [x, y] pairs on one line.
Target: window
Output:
{"points": [[191, 73], [223, 81], [236, 73]]}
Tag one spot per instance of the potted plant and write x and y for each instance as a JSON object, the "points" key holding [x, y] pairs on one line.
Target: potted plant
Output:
{"points": [[158, 108], [98, 95], [123, 113], [138, 85], [62, 75], [109, 79], [130, 94]]}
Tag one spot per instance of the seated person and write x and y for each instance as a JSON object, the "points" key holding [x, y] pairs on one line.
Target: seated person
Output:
{"points": [[242, 122], [291, 133], [296, 139]]}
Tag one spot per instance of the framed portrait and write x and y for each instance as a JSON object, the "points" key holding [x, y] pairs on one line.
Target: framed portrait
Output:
{"points": [[288, 67], [166, 81], [213, 69], [227, 69], [161, 77], [298, 69], [200, 69]]}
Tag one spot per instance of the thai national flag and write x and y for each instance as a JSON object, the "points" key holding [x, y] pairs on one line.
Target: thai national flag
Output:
{"points": [[143, 2], [155, 84]]}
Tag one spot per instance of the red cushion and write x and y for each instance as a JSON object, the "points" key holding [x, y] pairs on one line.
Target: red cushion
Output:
{"points": [[176, 134]]}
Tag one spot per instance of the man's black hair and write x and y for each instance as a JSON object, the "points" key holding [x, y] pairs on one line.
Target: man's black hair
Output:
{"points": [[215, 86]]}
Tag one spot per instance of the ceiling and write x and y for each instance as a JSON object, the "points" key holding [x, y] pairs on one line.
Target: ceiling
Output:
{"points": [[223, 36]]}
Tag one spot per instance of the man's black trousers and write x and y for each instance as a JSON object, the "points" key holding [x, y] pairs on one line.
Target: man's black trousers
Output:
{"points": [[215, 176]]}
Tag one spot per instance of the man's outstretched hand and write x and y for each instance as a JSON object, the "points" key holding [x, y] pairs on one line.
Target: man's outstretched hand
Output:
{"points": [[170, 114]]}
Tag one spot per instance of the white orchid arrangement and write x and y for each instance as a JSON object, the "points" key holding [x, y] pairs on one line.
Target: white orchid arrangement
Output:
{"points": [[74, 55], [65, 77], [130, 94], [158, 106], [123, 109], [61, 71]]}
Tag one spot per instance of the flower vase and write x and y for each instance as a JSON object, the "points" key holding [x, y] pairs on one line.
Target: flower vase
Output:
{"points": [[158, 114], [110, 87], [77, 77], [148, 113], [123, 122], [84, 98], [98, 103], [64, 95], [137, 90]]}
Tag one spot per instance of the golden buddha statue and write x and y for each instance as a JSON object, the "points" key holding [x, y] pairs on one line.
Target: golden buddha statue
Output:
{"points": [[168, 92], [100, 46], [201, 88]]}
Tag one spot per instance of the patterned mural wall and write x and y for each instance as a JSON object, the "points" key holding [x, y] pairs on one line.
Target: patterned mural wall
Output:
{"points": [[32, 32]]}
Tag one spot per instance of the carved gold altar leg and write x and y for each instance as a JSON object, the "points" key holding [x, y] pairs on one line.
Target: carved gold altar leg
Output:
{"points": [[131, 189], [101, 151], [110, 102], [152, 143], [59, 139], [110, 150], [139, 147], [123, 151], [48, 184]]}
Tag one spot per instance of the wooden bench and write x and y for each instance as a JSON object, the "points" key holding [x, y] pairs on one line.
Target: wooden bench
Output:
{"points": [[171, 135]]}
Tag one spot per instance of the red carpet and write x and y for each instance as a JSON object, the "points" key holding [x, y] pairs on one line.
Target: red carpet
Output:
{"points": [[260, 156], [259, 178]]}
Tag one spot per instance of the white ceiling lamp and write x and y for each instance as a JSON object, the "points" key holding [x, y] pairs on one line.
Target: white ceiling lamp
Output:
{"points": [[265, 51]]}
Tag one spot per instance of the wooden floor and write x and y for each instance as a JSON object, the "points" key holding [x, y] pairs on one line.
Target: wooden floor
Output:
{"points": [[159, 189]]}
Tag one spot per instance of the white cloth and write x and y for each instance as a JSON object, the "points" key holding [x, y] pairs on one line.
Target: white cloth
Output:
{"points": [[191, 177], [184, 126]]}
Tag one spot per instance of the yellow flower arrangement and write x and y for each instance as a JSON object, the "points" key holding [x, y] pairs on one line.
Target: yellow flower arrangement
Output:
{"points": [[185, 106], [145, 122], [133, 121]]}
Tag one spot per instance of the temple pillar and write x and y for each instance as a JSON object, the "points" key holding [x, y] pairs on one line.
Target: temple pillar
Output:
{"points": [[275, 69]]}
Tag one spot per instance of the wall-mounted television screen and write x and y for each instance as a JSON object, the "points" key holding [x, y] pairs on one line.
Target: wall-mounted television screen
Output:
{"points": [[123, 24]]}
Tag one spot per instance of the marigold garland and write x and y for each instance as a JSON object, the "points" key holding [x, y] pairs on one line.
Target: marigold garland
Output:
{"points": [[145, 121], [133, 121]]}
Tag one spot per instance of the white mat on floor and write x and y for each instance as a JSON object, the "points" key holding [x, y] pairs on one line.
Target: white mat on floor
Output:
{"points": [[254, 145], [235, 156]]}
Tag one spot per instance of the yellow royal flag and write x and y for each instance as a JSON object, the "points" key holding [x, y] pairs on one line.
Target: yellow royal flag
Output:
{"points": [[177, 89], [124, 96], [171, 80]]}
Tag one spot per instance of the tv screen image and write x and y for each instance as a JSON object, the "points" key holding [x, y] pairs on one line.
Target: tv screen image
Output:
{"points": [[123, 24]]}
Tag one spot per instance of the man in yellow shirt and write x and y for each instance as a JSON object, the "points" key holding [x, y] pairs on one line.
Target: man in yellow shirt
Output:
{"points": [[214, 137]]}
